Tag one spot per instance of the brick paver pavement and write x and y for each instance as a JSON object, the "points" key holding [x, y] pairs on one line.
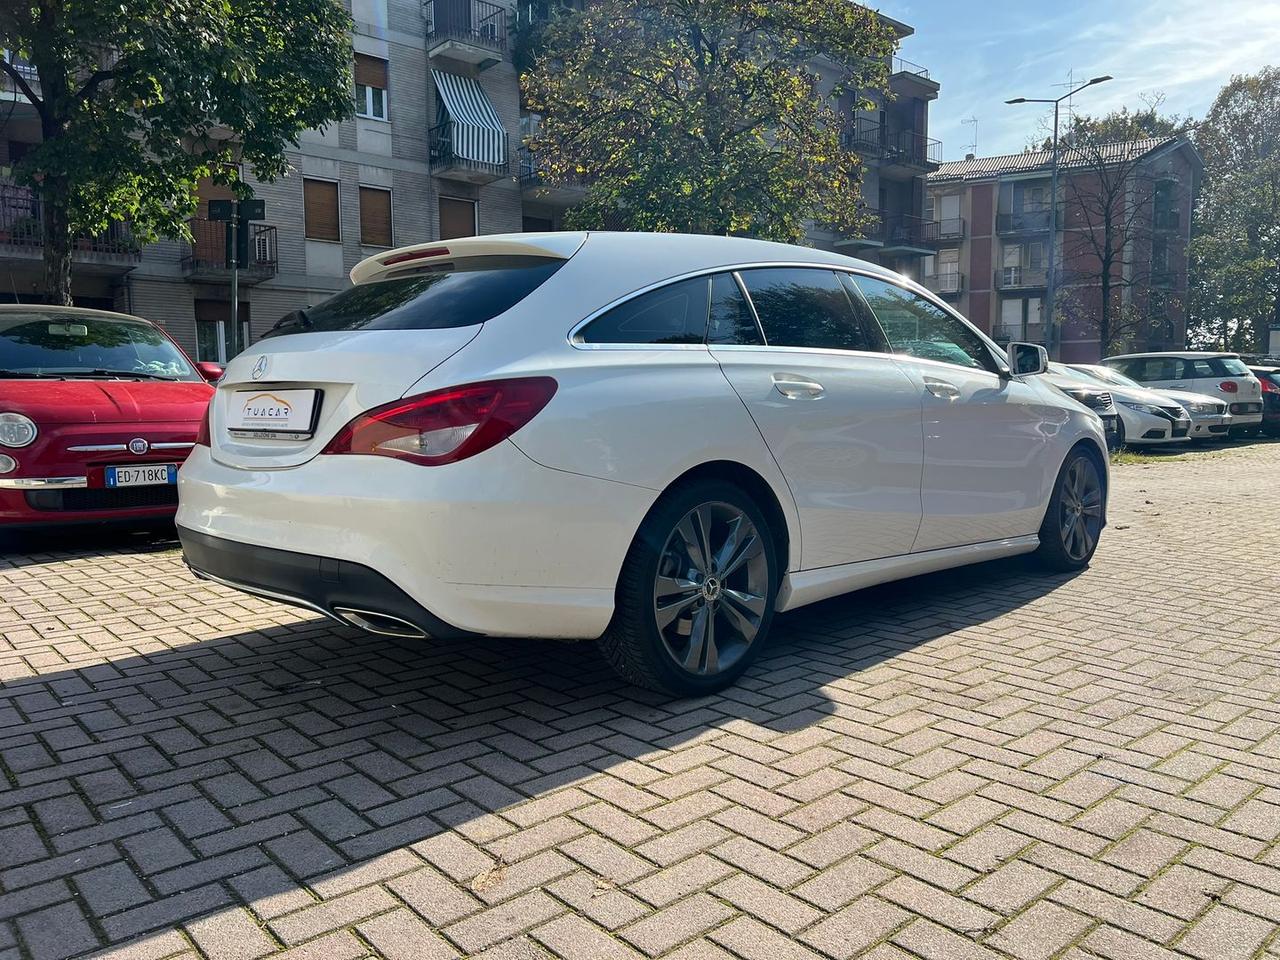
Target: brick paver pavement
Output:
{"points": [[987, 763]]}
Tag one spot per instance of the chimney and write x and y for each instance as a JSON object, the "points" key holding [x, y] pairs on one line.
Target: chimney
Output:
{"points": [[970, 156]]}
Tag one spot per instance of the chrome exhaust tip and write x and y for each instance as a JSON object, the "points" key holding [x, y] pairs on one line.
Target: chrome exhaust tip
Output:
{"points": [[381, 623]]}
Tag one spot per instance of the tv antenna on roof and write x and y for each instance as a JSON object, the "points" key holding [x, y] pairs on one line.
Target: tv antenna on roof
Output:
{"points": [[973, 146]]}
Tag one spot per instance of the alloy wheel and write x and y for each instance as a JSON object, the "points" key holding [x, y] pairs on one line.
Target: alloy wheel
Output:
{"points": [[711, 588], [1081, 509]]}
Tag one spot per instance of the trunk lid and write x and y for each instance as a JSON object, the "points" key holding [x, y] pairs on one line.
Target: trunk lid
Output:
{"points": [[353, 370]]}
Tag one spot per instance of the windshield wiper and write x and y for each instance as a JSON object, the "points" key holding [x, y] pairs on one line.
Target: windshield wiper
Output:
{"points": [[30, 375], [134, 374]]}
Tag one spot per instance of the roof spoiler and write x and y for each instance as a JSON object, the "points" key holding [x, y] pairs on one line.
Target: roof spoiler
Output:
{"points": [[560, 246]]}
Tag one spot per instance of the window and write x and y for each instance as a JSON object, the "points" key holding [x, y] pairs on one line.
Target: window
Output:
{"points": [[457, 218], [375, 217], [1147, 369], [676, 313], [320, 219], [731, 318], [804, 307], [1231, 366], [918, 328], [457, 293], [1197, 368], [371, 87], [216, 339]]}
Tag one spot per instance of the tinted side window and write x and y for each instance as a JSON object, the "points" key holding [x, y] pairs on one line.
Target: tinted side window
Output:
{"points": [[1149, 369], [676, 313], [731, 318], [875, 335], [918, 328], [804, 307], [1197, 368], [1229, 367]]}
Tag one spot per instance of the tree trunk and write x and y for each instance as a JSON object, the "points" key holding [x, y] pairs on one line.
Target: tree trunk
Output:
{"points": [[56, 232]]}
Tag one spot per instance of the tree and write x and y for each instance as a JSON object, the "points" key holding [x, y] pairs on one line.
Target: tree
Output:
{"points": [[1236, 252], [1109, 204], [705, 115], [138, 100]]}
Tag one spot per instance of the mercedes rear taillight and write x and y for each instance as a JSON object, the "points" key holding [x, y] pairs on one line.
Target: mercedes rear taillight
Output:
{"points": [[448, 425]]}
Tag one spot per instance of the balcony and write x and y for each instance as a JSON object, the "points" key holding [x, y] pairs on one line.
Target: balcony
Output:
{"points": [[1027, 220], [535, 186], [911, 79], [908, 154], [951, 230], [1163, 276], [948, 283], [446, 162], [1023, 332], [1166, 219], [865, 136], [207, 259], [9, 89], [113, 251], [903, 233], [472, 31], [1021, 278]]}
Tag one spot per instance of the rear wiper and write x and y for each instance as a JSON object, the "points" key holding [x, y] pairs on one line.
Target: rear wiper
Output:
{"points": [[295, 318], [32, 375]]}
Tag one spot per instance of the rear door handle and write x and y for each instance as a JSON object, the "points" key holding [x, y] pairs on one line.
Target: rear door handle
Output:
{"points": [[797, 388], [942, 389]]}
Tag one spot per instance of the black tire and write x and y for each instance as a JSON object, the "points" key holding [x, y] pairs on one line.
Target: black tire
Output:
{"points": [[646, 655], [1066, 545]]}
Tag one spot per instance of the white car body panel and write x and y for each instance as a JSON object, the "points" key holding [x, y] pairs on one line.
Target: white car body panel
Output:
{"points": [[881, 479], [1248, 388]]}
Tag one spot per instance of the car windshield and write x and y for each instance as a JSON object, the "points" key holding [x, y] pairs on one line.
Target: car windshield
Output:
{"points": [[80, 346], [460, 293], [1105, 375]]}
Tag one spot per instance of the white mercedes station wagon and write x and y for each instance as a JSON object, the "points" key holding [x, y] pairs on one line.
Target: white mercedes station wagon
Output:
{"points": [[656, 441]]}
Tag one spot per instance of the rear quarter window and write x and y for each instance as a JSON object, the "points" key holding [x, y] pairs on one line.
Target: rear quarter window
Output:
{"points": [[1231, 366], [676, 313], [459, 293]]}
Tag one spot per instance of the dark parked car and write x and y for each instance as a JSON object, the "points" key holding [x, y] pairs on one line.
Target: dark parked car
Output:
{"points": [[1269, 377]]}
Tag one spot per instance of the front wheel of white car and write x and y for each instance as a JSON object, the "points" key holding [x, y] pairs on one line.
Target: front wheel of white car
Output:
{"points": [[1073, 522], [696, 594]]}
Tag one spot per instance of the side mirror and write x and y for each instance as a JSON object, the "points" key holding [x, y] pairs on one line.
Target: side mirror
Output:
{"points": [[212, 372], [1027, 359]]}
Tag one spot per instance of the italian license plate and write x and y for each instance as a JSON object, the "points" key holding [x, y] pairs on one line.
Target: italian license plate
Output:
{"points": [[142, 475], [272, 414]]}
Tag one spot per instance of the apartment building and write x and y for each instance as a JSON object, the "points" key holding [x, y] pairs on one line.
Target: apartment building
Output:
{"points": [[991, 217], [892, 138], [433, 152]]}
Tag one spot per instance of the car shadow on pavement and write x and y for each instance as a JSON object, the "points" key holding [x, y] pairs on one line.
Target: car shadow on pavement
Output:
{"points": [[268, 766]]}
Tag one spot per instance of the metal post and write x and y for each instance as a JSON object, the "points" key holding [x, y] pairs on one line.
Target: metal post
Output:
{"points": [[234, 227], [1051, 320]]}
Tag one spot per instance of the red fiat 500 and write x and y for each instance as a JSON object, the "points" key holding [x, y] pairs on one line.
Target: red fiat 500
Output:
{"points": [[97, 411]]}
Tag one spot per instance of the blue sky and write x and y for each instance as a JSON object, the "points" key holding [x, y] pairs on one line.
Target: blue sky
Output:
{"points": [[984, 53]]}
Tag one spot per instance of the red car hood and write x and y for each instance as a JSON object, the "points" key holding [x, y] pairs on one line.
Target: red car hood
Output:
{"points": [[105, 401]]}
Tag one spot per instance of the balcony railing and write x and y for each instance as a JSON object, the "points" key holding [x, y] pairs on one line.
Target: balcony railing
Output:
{"points": [[207, 257], [1022, 332], [952, 228], [444, 160], [1021, 278], [474, 22], [1167, 219], [900, 65], [21, 227], [904, 230], [864, 135], [947, 282], [25, 69], [912, 149], [1027, 220]]}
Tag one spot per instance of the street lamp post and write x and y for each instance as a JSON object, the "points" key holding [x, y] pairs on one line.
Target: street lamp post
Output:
{"points": [[1050, 289]]}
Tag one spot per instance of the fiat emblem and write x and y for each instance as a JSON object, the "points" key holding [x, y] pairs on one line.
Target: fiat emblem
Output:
{"points": [[260, 367], [139, 446]]}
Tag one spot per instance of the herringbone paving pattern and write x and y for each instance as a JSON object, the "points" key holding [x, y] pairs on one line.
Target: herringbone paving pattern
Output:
{"points": [[985, 763]]}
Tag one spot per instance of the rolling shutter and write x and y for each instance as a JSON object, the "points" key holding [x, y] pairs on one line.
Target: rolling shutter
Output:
{"points": [[371, 71], [375, 217], [478, 133], [320, 210]]}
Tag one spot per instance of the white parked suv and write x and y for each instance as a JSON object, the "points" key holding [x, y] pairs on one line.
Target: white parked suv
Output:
{"points": [[654, 440], [1221, 375]]}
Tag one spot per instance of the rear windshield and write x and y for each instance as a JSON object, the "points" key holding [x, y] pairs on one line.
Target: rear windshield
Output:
{"points": [[1233, 367], [80, 346], [461, 293]]}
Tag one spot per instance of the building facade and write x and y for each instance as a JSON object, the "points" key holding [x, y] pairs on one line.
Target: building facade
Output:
{"points": [[433, 152], [1126, 204]]}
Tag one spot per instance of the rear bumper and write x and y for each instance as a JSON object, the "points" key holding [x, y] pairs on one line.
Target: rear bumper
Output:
{"points": [[347, 592], [495, 545]]}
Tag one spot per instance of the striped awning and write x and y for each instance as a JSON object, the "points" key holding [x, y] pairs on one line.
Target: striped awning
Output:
{"points": [[478, 133]]}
